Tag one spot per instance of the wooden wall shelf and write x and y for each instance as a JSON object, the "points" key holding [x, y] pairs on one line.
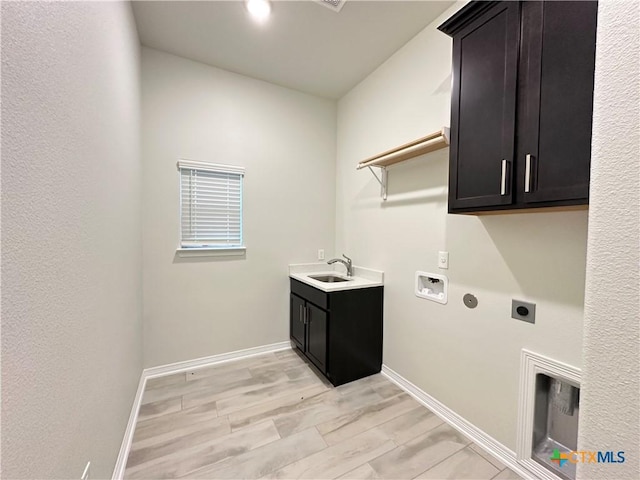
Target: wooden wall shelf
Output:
{"points": [[429, 143]]}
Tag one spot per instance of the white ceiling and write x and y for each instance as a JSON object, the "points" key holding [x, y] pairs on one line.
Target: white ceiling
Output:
{"points": [[303, 45]]}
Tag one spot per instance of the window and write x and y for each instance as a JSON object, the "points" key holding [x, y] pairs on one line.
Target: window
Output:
{"points": [[211, 208]]}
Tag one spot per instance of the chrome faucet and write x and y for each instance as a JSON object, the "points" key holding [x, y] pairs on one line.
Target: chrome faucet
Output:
{"points": [[346, 264]]}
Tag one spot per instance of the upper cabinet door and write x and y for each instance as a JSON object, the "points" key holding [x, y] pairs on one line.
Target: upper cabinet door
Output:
{"points": [[556, 101], [483, 108]]}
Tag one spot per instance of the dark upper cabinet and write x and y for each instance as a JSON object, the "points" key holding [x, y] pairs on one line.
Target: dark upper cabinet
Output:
{"points": [[522, 101]]}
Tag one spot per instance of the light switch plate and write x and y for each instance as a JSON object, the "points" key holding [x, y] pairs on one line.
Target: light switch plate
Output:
{"points": [[443, 259], [321, 254]]}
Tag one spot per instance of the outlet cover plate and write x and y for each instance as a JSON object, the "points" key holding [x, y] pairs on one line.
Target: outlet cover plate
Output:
{"points": [[530, 316]]}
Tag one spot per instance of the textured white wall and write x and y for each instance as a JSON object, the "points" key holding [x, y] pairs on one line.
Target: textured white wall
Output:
{"points": [[71, 237], [467, 359], [196, 307], [610, 409]]}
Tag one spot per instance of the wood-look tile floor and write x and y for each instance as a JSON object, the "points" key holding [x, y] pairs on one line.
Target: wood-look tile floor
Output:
{"points": [[272, 416]]}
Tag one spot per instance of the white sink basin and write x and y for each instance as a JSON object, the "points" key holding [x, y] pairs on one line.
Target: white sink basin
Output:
{"points": [[329, 278]]}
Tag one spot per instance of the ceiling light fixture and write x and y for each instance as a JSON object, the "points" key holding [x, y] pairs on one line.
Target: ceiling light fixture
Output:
{"points": [[259, 9]]}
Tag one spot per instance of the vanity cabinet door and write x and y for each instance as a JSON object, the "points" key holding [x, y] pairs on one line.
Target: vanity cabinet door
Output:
{"points": [[317, 336], [297, 321]]}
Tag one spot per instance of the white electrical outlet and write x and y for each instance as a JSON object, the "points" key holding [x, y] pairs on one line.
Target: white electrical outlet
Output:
{"points": [[87, 472], [321, 254], [443, 259]]}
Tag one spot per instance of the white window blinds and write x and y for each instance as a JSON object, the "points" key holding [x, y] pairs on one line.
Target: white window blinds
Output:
{"points": [[210, 205]]}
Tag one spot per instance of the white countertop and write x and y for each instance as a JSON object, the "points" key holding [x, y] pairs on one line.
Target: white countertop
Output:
{"points": [[362, 277]]}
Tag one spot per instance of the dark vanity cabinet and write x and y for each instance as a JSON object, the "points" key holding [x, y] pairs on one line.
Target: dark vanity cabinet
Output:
{"points": [[522, 101], [339, 332]]}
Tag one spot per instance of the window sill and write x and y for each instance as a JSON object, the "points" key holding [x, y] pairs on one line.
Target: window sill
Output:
{"points": [[211, 252]]}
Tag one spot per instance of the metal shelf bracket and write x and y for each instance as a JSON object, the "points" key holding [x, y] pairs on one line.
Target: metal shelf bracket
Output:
{"points": [[382, 180]]}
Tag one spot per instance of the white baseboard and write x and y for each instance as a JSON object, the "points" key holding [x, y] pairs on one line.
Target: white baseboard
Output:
{"points": [[121, 461], [170, 369], [479, 437], [203, 362]]}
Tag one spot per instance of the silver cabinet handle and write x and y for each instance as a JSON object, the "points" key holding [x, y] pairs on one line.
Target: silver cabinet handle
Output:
{"points": [[527, 173], [503, 178]]}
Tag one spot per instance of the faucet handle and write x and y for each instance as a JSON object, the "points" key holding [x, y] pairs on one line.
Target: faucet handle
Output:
{"points": [[348, 259]]}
